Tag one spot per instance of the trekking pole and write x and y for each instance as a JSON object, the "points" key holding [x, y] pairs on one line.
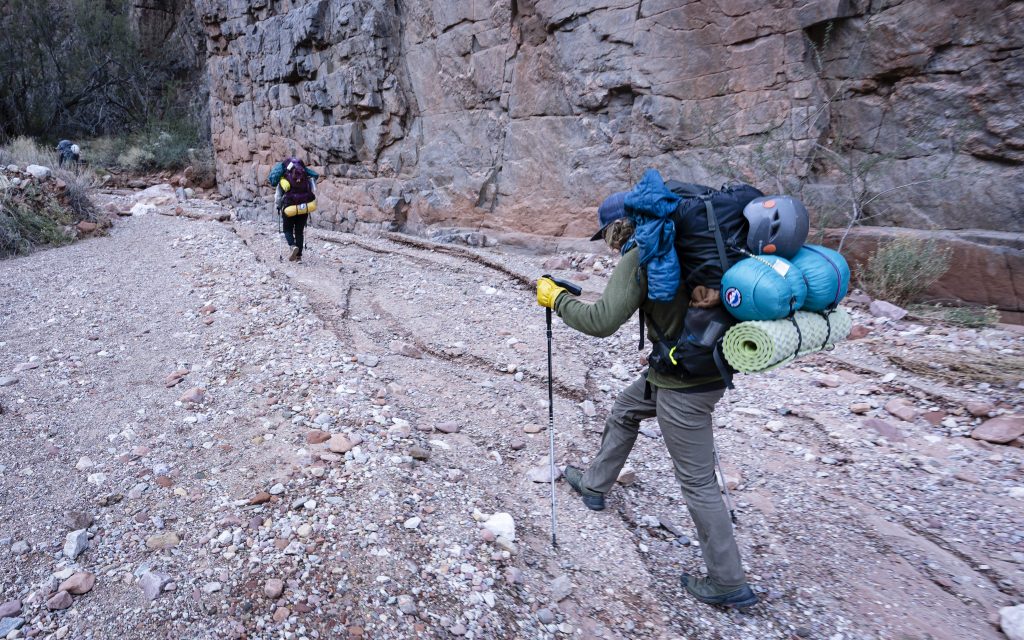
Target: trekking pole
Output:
{"points": [[574, 290], [725, 486]]}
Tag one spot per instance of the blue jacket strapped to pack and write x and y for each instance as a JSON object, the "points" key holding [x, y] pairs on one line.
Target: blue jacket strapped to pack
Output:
{"points": [[650, 205]]}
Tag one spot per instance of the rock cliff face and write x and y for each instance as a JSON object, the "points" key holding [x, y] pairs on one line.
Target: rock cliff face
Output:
{"points": [[522, 114]]}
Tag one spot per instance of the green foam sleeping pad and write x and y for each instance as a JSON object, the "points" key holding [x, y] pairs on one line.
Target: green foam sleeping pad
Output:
{"points": [[760, 345]]}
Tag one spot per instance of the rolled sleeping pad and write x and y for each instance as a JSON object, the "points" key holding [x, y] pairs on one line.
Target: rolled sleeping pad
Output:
{"points": [[300, 209], [752, 347], [763, 288], [826, 274]]}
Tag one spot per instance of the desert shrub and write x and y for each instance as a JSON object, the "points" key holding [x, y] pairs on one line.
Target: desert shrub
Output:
{"points": [[23, 151], [31, 216], [135, 159], [901, 269], [76, 196], [962, 316]]}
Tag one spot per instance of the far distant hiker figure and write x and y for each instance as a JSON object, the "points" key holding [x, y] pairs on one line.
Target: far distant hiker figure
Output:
{"points": [[68, 153], [294, 199]]}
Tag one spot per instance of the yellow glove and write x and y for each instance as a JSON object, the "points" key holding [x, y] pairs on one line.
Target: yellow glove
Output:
{"points": [[548, 292]]}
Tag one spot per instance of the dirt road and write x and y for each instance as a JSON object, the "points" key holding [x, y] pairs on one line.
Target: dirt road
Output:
{"points": [[171, 389]]}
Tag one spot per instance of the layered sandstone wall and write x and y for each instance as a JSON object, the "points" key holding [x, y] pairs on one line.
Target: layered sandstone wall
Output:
{"points": [[522, 114]]}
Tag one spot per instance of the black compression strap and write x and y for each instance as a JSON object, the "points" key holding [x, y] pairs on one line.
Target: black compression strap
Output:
{"points": [[642, 327], [713, 227], [799, 335], [828, 326], [723, 368]]}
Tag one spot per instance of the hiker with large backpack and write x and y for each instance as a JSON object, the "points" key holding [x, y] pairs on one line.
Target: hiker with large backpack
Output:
{"points": [[676, 241], [294, 200], [68, 153]]}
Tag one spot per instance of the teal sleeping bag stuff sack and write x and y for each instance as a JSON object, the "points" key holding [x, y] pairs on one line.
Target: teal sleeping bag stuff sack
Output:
{"points": [[827, 276], [763, 288]]}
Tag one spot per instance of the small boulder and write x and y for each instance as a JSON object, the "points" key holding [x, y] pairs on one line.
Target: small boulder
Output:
{"points": [[76, 543], [162, 541], [79, 583], [273, 588], [1011, 622], [38, 172], [338, 443], [153, 584], [883, 309], [502, 525], [1001, 430], [62, 600]]}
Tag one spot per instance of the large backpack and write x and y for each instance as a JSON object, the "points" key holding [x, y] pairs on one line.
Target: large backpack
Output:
{"points": [[296, 183], [710, 235]]}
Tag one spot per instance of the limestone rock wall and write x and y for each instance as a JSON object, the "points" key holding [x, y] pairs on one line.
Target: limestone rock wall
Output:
{"points": [[522, 114]]}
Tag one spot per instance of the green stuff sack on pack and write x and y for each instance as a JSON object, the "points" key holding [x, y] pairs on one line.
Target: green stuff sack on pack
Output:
{"points": [[759, 345]]}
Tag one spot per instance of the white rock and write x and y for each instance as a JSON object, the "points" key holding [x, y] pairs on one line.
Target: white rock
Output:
{"points": [[38, 171], [1011, 621], [75, 543], [157, 195], [141, 209], [1017, 492], [412, 523], [85, 462], [212, 587], [502, 525]]}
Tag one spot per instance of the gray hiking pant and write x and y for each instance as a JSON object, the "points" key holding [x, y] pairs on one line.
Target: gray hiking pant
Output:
{"points": [[685, 421]]}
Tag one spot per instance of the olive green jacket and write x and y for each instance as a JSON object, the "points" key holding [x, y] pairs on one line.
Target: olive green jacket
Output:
{"points": [[625, 294]]}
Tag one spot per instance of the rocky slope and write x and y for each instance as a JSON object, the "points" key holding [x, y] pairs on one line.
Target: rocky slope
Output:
{"points": [[201, 439]]}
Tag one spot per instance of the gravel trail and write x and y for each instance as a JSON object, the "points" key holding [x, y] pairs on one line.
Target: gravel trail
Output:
{"points": [[263, 449]]}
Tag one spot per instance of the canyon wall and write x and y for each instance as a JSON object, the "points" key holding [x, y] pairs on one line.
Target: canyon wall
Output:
{"points": [[521, 115]]}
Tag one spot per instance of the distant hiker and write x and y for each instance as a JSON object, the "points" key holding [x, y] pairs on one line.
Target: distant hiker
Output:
{"points": [[67, 152], [682, 403], [294, 200]]}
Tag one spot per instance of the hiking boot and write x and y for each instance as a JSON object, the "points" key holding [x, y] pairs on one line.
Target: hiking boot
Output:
{"points": [[710, 593], [296, 254], [593, 499]]}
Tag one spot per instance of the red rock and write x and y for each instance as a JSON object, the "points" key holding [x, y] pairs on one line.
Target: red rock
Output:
{"points": [[60, 601], [556, 262], [1000, 430], [176, 377], [884, 429], [207, 320], [860, 407], [405, 349], [79, 583], [273, 588], [902, 409], [195, 395], [260, 498], [934, 418], [828, 380], [858, 331], [338, 443], [317, 436], [281, 614], [980, 409], [207, 310], [164, 482], [85, 227]]}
